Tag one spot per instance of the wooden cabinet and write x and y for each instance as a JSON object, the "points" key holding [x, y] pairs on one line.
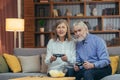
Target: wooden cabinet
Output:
{"points": [[103, 17]]}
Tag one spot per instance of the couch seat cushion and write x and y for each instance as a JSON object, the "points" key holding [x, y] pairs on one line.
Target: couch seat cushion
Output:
{"points": [[7, 76], [112, 77]]}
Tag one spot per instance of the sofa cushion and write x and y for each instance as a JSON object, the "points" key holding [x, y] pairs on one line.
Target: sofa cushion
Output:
{"points": [[118, 68], [114, 63], [43, 65], [112, 77], [12, 62], [30, 63], [3, 65], [9, 76]]}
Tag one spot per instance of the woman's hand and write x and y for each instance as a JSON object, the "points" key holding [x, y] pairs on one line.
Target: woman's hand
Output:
{"points": [[64, 58], [53, 58]]}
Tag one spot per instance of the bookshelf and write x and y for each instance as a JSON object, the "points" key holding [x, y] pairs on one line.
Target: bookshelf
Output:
{"points": [[104, 22]]}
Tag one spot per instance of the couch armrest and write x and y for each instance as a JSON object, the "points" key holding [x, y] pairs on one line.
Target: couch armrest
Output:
{"points": [[44, 67], [114, 51]]}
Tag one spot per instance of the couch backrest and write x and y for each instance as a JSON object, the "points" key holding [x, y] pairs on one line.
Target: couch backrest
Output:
{"points": [[38, 51], [29, 51], [114, 51], [42, 51]]}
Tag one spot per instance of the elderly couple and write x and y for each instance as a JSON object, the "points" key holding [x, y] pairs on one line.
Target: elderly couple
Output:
{"points": [[88, 49]]}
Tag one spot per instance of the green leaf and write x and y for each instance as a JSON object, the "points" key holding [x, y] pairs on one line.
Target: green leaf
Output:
{"points": [[41, 22]]}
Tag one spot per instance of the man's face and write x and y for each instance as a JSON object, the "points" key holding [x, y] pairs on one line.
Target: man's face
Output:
{"points": [[80, 33]]}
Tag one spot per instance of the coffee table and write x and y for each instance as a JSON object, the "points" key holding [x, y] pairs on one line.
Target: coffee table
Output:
{"points": [[44, 78]]}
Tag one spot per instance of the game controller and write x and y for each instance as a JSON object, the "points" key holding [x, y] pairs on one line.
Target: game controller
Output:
{"points": [[58, 55], [79, 63]]}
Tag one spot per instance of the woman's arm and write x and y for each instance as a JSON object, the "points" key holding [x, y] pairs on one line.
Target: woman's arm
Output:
{"points": [[49, 52]]}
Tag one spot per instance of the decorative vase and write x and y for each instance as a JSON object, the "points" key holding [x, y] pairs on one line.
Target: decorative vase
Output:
{"points": [[68, 13], [88, 25], [41, 29], [42, 39], [94, 12]]}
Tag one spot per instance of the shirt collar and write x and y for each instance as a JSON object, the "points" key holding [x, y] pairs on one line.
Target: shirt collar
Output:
{"points": [[86, 39], [60, 41]]}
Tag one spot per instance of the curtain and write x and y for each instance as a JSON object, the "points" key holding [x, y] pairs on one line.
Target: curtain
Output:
{"points": [[8, 9]]}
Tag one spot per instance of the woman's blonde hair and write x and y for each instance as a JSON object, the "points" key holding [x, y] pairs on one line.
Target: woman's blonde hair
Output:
{"points": [[68, 35]]}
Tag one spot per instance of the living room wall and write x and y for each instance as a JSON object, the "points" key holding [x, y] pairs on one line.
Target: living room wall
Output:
{"points": [[8, 9]]}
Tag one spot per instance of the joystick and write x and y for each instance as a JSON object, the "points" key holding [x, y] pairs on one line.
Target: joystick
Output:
{"points": [[58, 55], [79, 63]]}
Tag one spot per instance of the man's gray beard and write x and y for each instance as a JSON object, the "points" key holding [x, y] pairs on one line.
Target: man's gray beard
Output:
{"points": [[79, 39]]}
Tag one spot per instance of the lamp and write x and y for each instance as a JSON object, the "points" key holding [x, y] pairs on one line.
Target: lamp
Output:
{"points": [[15, 25]]}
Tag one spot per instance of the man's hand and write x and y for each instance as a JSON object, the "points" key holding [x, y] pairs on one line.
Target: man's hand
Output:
{"points": [[76, 68], [88, 65], [53, 58]]}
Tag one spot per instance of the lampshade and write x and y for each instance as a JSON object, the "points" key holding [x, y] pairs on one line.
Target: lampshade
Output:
{"points": [[14, 24]]}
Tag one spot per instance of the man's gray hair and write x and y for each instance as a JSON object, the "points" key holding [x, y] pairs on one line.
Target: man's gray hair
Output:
{"points": [[81, 24]]}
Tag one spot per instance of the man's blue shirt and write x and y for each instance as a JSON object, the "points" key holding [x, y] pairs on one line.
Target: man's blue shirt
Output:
{"points": [[93, 49]]}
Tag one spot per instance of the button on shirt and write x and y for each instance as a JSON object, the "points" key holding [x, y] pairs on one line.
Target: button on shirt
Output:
{"points": [[93, 49], [57, 47]]}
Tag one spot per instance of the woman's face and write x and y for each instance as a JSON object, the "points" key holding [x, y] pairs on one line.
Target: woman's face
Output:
{"points": [[61, 30]]}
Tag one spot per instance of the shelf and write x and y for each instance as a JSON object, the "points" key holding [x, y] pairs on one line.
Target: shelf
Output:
{"points": [[102, 32], [51, 17], [84, 16], [44, 32], [66, 3], [60, 17], [106, 31], [110, 16], [103, 1], [42, 3], [40, 47]]}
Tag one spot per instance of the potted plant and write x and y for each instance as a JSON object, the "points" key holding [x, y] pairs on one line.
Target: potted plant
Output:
{"points": [[41, 24]]}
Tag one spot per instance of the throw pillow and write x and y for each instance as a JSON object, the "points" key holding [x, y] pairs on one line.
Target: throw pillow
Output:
{"points": [[118, 69], [44, 67], [12, 62], [30, 63], [114, 63], [3, 65]]}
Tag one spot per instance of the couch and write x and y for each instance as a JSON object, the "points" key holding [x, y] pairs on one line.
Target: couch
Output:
{"points": [[42, 51], [27, 52]]}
